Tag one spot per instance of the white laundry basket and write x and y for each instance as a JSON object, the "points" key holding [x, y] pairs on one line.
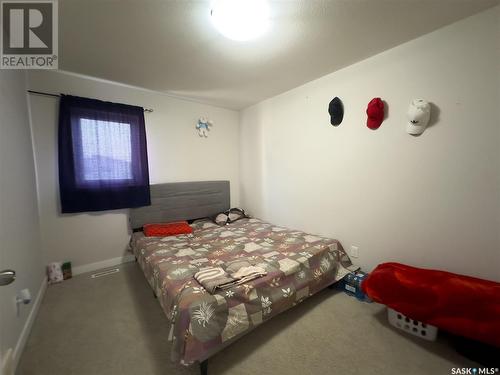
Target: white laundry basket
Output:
{"points": [[416, 328]]}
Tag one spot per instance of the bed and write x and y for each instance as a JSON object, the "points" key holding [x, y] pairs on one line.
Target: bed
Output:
{"points": [[298, 265]]}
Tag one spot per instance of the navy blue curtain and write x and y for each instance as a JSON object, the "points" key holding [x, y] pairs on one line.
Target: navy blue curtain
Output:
{"points": [[103, 163]]}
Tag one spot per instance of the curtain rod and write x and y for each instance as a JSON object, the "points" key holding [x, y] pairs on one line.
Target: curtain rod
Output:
{"points": [[149, 110]]}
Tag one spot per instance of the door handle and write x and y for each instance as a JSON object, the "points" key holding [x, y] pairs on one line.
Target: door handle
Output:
{"points": [[7, 277]]}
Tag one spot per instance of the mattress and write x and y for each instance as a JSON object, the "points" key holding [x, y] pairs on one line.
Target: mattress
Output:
{"points": [[298, 265]]}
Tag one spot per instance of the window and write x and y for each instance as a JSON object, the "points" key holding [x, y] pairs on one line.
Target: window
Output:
{"points": [[106, 150], [102, 155]]}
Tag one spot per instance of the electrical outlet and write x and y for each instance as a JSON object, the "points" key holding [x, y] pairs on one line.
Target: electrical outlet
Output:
{"points": [[354, 251]]}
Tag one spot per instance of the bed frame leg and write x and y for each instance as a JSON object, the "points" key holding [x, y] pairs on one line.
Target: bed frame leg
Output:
{"points": [[204, 367]]}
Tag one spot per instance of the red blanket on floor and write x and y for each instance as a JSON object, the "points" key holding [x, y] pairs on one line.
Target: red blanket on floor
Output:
{"points": [[459, 304]]}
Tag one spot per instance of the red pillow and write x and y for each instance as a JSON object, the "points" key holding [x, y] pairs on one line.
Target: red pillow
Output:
{"points": [[167, 229]]}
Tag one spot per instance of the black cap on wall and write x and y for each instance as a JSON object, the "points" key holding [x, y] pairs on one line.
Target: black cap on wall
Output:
{"points": [[336, 111]]}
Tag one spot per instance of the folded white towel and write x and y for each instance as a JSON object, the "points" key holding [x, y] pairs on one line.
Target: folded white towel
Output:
{"points": [[244, 272], [215, 278]]}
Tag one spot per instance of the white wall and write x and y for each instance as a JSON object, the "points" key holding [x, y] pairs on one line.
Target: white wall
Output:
{"points": [[175, 153], [431, 201], [20, 247]]}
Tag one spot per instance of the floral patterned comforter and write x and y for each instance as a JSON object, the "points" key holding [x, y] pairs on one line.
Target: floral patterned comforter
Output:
{"points": [[298, 265]]}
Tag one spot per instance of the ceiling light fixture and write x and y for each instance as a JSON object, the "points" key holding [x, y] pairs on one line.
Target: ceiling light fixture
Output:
{"points": [[240, 19]]}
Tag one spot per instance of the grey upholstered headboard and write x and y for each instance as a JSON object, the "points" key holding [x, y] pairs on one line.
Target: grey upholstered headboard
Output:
{"points": [[182, 201]]}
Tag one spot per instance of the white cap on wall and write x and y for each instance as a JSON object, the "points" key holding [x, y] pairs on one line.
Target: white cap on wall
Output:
{"points": [[419, 113]]}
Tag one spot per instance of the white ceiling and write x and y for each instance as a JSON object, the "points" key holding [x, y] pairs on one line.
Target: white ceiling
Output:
{"points": [[171, 46]]}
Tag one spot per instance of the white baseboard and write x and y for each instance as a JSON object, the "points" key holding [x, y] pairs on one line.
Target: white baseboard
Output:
{"points": [[103, 264], [23, 337]]}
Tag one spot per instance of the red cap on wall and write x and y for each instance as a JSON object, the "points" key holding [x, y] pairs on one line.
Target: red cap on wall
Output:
{"points": [[375, 112]]}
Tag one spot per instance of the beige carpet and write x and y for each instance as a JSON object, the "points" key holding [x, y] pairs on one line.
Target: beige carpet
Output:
{"points": [[113, 325]]}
